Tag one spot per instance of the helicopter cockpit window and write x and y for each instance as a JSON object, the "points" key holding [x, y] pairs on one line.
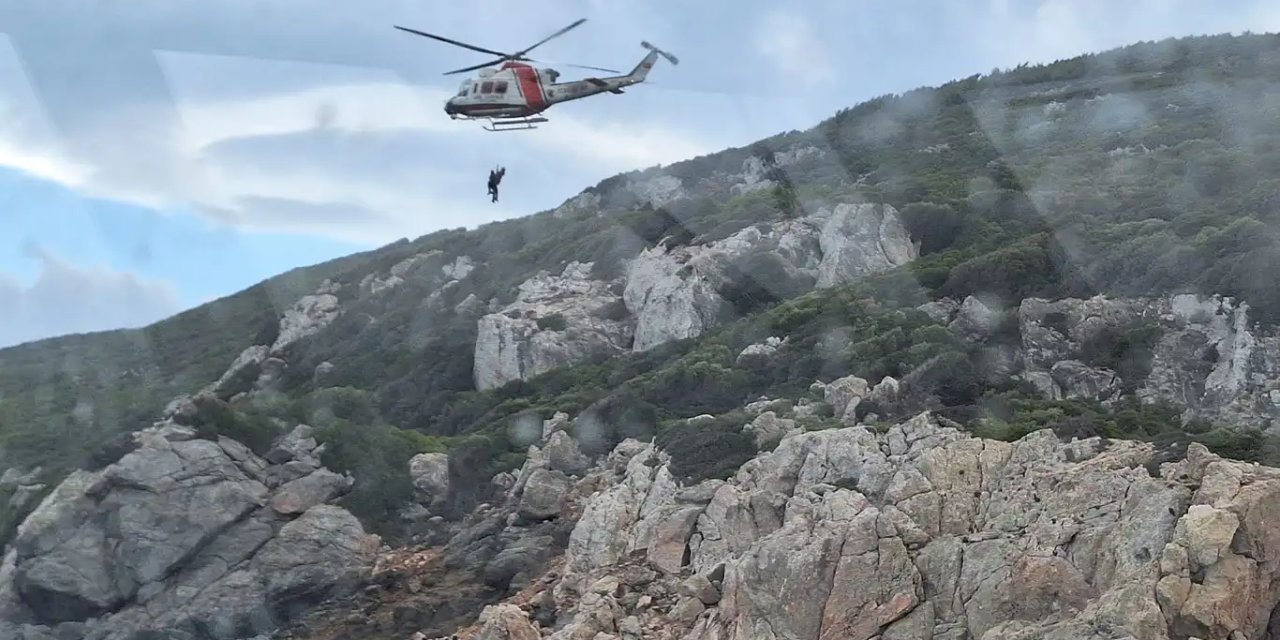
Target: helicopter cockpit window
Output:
{"points": [[500, 87], [486, 87]]}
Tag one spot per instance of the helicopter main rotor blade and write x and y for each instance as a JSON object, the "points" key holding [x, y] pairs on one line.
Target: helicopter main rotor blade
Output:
{"points": [[583, 66], [477, 66], [453, 42], [554, 63], [539, 43]]}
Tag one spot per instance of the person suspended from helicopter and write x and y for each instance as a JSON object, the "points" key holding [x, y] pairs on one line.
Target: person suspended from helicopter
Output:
{"points": [[495, 177]]}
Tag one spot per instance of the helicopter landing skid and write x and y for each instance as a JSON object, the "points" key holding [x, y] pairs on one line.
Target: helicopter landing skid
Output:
{"points": [[514, 124]]}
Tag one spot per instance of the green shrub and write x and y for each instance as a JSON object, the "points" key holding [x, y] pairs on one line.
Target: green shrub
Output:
{"points": [[1127, 350], [703, 451], [552, 322]]}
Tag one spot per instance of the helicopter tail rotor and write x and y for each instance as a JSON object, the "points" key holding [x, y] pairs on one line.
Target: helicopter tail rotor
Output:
{"points": [[670, 58]]}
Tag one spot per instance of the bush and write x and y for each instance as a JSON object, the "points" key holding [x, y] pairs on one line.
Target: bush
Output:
{"points": [[1127, 350], [552, 322], [600, 427], [705, 451], [377, 455], [215, 417], [934, 226]]}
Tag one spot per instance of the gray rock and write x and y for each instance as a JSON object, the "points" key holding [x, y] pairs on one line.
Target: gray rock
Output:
{"points": [[687, 610], [563, 454], [941, 310], [244, 370], [307, 317], [672, 293], [177, 537], [461, 267], [543, 494], [165, 499], [430, 475], [15, 477], [657, 191], [521, 557], [886, 392], [317, 488], [505, 622], [862, 239], [768, 428], [24, 497], [975, 320], [924, 531], [760, 350], [299, 444], [844, 395], [522, 340], [698, 586], [1078, 380]]}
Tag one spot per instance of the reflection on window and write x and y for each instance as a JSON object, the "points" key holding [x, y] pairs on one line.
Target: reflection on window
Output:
{"points": [[501, 87], [486, 87]]}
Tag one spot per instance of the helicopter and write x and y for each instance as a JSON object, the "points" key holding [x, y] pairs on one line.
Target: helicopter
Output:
{"points": [[515, 95]]}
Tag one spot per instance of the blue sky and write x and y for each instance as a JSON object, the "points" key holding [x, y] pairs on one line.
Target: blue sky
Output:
{"points": [[155, 155]]}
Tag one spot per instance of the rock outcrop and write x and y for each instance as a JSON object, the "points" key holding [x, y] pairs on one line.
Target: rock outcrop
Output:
{"points": [[1204, 355], [259, 367], [676, 292], [183, 536], [673, 294], [756, 172], [1209, 359], [430, 475], [924, 532], [375, 283], [22, 488], [656, 191], [555, 320], [862, 239], [307, 317]]}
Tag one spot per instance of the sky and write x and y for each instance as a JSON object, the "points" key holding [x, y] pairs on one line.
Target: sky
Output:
{"points": [[156, 155]]}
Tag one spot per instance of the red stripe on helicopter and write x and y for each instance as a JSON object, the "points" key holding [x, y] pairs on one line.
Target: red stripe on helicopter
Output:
{"points": [[530, 87]]}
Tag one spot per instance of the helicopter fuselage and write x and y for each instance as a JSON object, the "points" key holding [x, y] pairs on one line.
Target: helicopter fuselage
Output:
{"points": [[515, 93], [518, 90]]}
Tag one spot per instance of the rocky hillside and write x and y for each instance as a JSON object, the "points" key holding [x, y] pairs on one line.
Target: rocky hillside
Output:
{"points": [[917, 530], [970, 318]]}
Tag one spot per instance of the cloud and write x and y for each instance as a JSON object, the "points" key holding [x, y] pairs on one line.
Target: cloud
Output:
{"points": [[67, 299], [357, 140], [1009, 32], [792, 43]]}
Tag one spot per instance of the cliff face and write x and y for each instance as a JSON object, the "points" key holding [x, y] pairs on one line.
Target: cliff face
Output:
{"points": [[677, 292], [184, 536]]}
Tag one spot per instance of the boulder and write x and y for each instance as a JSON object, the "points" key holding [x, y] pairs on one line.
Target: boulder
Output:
{"points": [[430, 475], [181, 536], [542, 495], [862, 239]]}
